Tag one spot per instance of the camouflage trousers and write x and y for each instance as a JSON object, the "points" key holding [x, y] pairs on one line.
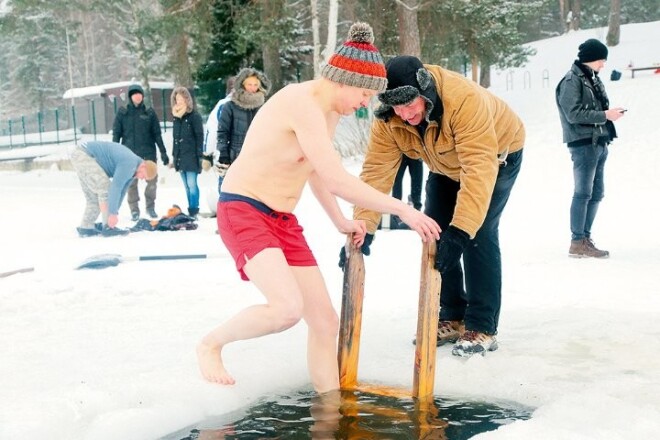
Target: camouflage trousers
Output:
{"points": [[95, 185]]}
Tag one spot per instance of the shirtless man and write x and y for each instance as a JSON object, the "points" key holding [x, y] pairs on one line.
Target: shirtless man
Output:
{"points": [[288, 144]]}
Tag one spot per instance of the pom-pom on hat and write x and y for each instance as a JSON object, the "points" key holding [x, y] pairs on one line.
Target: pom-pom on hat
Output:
{"points": [[592, 50], [357, 62]]}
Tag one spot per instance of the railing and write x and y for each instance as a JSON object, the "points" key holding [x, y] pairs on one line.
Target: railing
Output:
{"points": [[93, 116], [527, 82]]}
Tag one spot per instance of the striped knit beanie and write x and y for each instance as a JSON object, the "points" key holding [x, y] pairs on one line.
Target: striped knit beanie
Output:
{"points": [[357, 62]]}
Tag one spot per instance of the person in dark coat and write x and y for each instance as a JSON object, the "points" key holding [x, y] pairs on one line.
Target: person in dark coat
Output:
{"points": [[587, 123], [188, 143], [250, 90], [137, 127]]}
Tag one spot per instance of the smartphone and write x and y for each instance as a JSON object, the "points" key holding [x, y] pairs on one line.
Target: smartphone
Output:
{"points": [[623, 111]]}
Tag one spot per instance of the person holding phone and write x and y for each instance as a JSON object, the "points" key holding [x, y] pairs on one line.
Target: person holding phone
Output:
{"points": [[587, 123]]}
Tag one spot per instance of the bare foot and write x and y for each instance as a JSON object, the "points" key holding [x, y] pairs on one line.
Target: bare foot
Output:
{"points": [[211, 366]]}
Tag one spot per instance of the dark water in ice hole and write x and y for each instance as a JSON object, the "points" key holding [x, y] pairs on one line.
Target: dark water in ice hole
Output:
{"points": [[304, 415]]}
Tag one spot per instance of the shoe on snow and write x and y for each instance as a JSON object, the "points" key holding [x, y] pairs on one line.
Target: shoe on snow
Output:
{"points": [[135, 216], [113, 232], [152, 213], [586, 248], [472, 342], [87, 232], [448, 332]]}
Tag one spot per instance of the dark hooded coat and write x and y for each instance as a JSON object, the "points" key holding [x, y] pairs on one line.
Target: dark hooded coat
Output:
{"points": [[238, 113]]}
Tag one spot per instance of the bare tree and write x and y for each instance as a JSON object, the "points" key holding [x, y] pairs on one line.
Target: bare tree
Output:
{"points": [[570, 14], [331, 42], [408, 29], [316, 39], [614, 24], [576, 9], [271, 11], [563, 7]]}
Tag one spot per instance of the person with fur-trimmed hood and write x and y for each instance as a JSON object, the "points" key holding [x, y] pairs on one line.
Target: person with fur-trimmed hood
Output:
{"points": [[472, 143], [187, 146], [250, 90]]}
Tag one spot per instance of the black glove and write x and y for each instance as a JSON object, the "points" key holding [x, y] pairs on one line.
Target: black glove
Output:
{"points": [[166, 160], [364, 248], [450, 247], [224, 160]]}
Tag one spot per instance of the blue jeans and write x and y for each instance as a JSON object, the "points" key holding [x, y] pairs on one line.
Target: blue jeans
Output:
{"points": [[588, 167], [476, 297], [192, 190]]}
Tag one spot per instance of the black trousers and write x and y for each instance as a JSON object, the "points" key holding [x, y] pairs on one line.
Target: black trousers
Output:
{"points": [[416, 169], [472, 291]]}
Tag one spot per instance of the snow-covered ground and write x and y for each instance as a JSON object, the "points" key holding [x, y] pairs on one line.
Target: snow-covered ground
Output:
{"points": [[109, 354]]}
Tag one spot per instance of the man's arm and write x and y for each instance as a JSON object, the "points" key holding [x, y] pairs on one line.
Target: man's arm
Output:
{"points": [[198, 133], [158, 139], [379, 169], [476, 147], [307, 124], [224, 132], [117, 127], [329, 204]]}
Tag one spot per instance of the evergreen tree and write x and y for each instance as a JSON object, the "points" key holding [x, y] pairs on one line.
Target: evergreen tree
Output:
{"points": [[138, 26], [34, 55], [485, 32], [225, 56]]}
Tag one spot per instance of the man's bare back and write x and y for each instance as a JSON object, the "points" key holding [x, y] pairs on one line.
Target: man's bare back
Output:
{"points": [[272, 167]]}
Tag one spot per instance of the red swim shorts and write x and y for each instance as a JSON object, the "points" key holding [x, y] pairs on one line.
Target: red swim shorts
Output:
{"points": [[248, 226]]}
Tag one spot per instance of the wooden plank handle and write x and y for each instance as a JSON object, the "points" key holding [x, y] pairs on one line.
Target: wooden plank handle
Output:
{"points": [[427, 325], [350, 322]]}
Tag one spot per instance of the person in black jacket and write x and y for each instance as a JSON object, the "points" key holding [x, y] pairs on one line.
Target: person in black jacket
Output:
{"points": [[137, 127], [188, 142], [250, 89], [587, 123]]}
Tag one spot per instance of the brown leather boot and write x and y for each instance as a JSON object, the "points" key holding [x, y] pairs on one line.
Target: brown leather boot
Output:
{"points": [[598, 253], [585, 248], [448, 332]]}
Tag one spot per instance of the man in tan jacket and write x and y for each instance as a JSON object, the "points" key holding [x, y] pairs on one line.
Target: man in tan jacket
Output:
{"points": [[472, 143]]}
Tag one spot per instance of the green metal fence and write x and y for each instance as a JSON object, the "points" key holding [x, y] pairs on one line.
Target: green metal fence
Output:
{"points": [[67, 122]]}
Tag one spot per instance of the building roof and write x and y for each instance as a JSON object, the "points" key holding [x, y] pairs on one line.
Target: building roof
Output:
{"points": [[79, 92]]}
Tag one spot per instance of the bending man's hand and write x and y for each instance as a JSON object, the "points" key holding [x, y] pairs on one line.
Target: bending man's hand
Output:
{"points": [[450, 248], [364, 248]]}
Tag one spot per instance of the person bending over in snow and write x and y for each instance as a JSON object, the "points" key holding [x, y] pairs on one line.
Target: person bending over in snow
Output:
{"points": [[105, 170]]}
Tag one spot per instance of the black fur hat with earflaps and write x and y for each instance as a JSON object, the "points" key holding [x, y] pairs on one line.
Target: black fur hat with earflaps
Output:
{"points": [[407, 78]]}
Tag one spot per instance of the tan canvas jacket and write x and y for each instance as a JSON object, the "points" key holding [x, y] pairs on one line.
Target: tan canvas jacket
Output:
{"points": [[476, 133]]}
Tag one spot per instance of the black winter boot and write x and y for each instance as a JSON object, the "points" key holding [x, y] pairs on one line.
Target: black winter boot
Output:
{"points": [[192, 212], [113, 232]]}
